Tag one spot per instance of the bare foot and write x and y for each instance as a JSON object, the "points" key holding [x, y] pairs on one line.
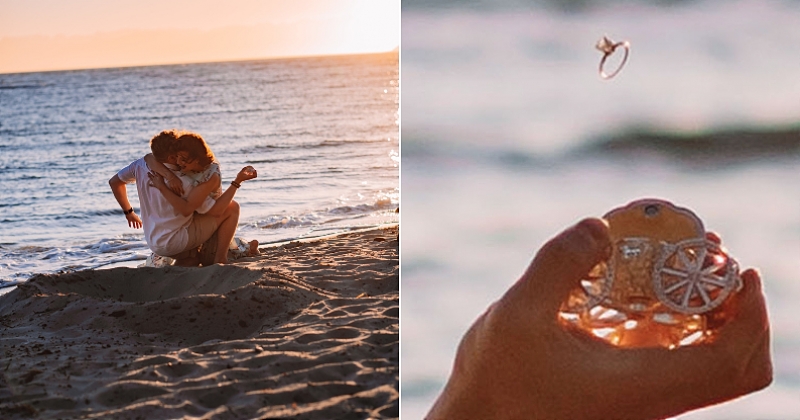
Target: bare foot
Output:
{"points": [[253, 249]]}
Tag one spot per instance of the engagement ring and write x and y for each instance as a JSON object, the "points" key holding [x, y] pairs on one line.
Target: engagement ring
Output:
{"points": [[607, 47]]}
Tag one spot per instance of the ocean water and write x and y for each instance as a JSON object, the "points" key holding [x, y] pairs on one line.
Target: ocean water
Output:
{"points": [[323, 133], [510, 136]]}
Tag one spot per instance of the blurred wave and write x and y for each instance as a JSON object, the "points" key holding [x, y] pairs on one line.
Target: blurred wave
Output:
{"points": [[722, 147], [570, 6], [718, 148]]}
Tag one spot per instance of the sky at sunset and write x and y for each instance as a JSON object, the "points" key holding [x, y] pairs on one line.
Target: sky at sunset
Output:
{"points": [[43, 35]]}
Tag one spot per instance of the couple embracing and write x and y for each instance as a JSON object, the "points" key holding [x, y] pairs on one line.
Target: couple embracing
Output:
{"points": [[184, 212]]}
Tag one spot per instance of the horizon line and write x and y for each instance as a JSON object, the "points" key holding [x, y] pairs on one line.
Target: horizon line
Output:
{"points": [[395, 50]]}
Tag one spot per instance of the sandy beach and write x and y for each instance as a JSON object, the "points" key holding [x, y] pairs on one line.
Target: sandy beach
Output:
{"points": [[306, 330]]}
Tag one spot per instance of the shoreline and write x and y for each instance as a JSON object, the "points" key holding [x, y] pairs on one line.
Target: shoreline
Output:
{"points": [[134, 262], [308, 329]]}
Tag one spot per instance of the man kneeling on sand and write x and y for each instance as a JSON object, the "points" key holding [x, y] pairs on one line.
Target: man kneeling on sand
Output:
{"points": [[179, 233]]}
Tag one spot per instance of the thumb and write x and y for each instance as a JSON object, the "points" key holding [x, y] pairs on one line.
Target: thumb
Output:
{"points": [[560, 265], [750, 327]]}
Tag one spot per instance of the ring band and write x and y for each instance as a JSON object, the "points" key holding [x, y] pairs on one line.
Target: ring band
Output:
{"points": [[608, 47]]}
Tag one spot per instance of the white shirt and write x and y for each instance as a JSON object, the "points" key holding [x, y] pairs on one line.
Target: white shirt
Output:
{"points": [[165, 229]]}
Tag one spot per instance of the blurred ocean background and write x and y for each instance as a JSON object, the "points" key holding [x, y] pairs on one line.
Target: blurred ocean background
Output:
{"points": [[510, 136], [323, 133]]}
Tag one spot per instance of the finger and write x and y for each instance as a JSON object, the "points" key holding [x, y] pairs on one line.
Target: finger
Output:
{"points": [[561, 263], [738, 362], [713, 237], [749, 311], [716, 239], [751, 327], [672, 381]]}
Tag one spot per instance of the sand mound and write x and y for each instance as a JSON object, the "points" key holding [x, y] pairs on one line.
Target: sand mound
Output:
{"points": [[307, 330]]}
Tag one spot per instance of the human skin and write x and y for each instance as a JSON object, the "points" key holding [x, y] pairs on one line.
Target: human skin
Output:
{"points": [[187, 163], [227, 214], [120, 191], [225, 210], [173, 182], [517, 361]]}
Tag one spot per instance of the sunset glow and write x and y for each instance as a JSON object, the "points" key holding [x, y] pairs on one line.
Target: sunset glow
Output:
{"points": [[41, 35]]}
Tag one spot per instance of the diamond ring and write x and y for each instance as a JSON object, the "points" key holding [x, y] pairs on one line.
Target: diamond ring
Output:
{"points": [[608, 47]]}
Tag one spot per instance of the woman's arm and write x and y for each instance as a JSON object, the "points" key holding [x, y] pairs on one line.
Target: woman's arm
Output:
{"points": [[248, 172], [173, 182], [192, 202], [200, 192]]}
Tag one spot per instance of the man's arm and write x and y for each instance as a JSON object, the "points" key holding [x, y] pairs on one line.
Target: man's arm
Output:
{"points": [[188, 205], [173, 182], [199, 193], [121, 194]]}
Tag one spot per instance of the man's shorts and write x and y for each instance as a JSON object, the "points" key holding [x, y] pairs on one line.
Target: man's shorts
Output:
{"points": [[201, 229]]}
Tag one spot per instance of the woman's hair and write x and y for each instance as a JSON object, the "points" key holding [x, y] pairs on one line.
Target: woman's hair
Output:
{"points": [[196, 147], [163, 144]]}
